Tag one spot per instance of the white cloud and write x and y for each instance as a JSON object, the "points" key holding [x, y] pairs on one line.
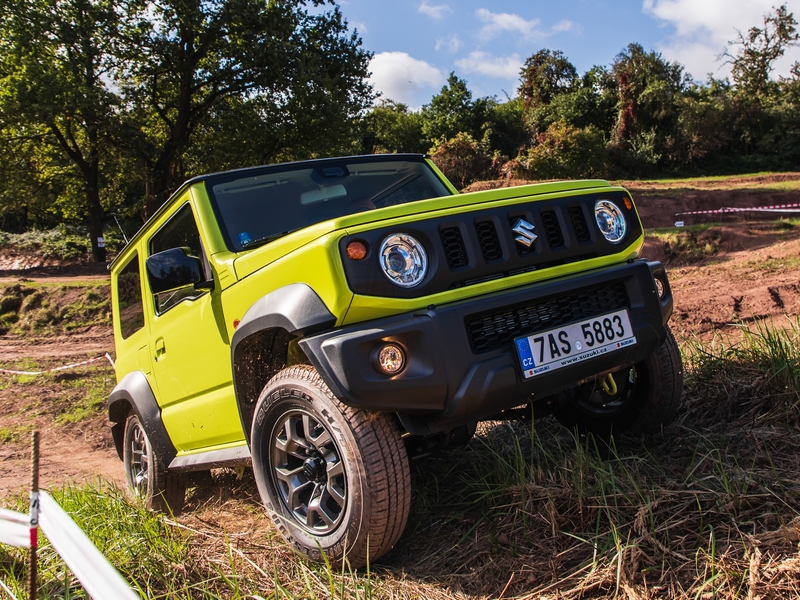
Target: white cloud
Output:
{"points": [[566, 25], [434, 11], [703, 30], [505, 67], [497, 23], [400, 77], [358, 26], [451, 44]]}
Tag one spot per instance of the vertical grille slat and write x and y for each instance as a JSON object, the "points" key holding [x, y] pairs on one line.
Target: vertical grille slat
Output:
{"points": [[454, 249], [489, 242], [579, 224], [487, 332], [552, 230]]}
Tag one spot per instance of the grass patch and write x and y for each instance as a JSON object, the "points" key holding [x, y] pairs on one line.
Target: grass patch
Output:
{"points": [[16, 433], [144, 548], [774, 264], [708, 508], [688, 245], [780, 182], [51, 309], [61, 397]]}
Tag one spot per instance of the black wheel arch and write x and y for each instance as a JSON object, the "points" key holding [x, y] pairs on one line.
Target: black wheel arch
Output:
{"points": [[133, 392], [263, 343]]}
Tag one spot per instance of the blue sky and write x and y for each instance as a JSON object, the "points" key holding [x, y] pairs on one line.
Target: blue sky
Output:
{"points": [[418, 42]]}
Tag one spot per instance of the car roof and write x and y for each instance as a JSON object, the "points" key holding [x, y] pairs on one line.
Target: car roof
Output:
{"points": [[259, 169]]}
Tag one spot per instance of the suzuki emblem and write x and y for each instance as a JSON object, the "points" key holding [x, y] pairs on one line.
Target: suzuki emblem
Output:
{"points": [[524, 231]]}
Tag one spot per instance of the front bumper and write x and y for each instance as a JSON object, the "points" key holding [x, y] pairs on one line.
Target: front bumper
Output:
{"points": [[455, 375]]}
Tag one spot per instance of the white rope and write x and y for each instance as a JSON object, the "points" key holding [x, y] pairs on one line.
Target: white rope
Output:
{"points": [[106, 356]]}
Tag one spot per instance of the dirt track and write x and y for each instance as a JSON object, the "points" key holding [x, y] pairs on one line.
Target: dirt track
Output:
{"points": [[755, 273]]}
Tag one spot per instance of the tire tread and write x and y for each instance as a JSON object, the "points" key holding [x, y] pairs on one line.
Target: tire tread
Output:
{"points": [[385, 462]]}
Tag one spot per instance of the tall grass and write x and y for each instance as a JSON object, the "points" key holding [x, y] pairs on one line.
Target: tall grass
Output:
{"points": [[707, 508]]}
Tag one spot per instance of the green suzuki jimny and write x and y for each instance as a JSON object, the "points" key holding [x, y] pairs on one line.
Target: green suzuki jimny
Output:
{"points": [[323, 321]]}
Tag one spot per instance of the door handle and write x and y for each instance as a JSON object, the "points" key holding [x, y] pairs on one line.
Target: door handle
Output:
{"points": [[161, 349]]}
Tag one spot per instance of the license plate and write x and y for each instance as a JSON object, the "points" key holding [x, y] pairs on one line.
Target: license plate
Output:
{"points": [[564, 346]]}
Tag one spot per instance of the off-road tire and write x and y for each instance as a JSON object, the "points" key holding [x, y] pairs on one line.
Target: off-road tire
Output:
{"points": [[147, 476], [375, 485], [643, 405]]}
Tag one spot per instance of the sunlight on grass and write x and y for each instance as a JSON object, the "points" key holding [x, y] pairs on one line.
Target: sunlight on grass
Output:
{"points": [[709, 507]]}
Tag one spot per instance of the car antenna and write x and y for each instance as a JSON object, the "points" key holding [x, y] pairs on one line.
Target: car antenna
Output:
{"points": [[124, 237]]}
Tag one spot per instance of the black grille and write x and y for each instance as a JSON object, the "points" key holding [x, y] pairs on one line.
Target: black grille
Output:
{"points": [[551, 229], [579, 224], [454, 248], [489, 331], [490, 244]]}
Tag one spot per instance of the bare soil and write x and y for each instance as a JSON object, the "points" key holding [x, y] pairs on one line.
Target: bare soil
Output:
{"points": [[660, 204], [753, 273]]}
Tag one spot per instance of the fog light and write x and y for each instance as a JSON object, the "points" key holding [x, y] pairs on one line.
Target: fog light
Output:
{"points": [[660, 287], [391, 359]]}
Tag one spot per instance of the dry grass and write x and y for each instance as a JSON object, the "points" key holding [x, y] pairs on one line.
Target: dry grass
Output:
{"points": [[708, 508]]}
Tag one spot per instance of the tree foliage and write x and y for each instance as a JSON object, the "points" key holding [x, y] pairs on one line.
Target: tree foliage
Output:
{"points": [[298, 76], [464, 160], [108, 105], [118, 88], [758, 50], [56, 57]]}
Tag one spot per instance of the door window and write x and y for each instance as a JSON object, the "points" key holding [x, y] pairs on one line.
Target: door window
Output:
{"points": [[179, 232], [129, 295]]}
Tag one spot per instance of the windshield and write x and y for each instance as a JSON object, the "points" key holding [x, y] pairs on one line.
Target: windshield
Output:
{"points": [[259, 205]]}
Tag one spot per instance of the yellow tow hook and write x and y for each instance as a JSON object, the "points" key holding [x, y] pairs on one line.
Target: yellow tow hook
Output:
{"points": [[609, 385]]}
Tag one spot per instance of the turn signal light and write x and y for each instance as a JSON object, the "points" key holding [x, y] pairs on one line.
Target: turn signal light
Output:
{"points": [[356, 250]]}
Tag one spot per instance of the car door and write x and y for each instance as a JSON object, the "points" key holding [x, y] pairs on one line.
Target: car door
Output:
{"points": [[191, 350]]}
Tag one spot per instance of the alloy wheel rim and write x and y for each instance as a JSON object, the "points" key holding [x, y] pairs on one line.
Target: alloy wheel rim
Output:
{"points": [[308, 472], [140, 460]]}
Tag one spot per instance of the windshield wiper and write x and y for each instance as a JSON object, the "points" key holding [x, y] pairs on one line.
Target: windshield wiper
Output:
{"points": [[267, 239]]}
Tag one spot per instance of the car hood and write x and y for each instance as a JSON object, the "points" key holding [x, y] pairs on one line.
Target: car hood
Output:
{"points": [[249, 261]]}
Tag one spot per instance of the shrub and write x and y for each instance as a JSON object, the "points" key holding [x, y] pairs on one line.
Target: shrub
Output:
{"points": [[464, 160], [562, 152]]}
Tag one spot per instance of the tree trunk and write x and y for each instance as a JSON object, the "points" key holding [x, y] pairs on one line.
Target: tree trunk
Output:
{"points": [[95, 210]]}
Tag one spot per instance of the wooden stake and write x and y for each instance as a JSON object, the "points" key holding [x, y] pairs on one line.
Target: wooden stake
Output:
{"points": [[34, 514]]}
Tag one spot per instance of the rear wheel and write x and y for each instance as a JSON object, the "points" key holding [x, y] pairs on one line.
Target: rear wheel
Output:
{"points": [[147, 477], [635, 400], [333, 478]]}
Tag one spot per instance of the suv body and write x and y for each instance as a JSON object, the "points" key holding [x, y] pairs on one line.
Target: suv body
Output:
{"points": [[321, 320]]}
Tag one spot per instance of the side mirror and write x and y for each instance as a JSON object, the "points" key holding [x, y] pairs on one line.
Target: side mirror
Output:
{"points": [[173, 269]]}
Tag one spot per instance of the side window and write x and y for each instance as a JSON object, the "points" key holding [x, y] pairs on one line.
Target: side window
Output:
{"points": [[179, 232], [129, 293]]}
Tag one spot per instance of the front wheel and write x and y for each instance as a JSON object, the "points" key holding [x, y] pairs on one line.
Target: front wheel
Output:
{"points": [[333, 478], [634, 400]]}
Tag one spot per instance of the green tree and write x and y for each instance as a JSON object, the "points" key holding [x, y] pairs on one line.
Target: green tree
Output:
{"points": [[391, 127], [300, 70], [545, 75], [758, 50], [57, 57], [505, 126], [648, 89], [453, 111]]}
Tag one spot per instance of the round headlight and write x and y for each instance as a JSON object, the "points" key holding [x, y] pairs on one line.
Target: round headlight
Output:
{"points": [[610, 220], [403, 260]]}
